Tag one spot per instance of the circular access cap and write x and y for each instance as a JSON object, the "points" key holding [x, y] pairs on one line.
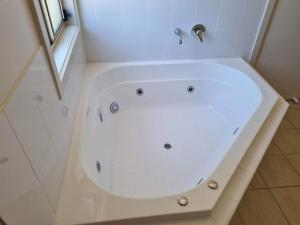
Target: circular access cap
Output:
{"points": [[212, 184], [183, 201]]}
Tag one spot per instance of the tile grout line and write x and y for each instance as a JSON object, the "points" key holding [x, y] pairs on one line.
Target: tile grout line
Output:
{"points": [[285, 155], [281, 151], [279, 207], [243, 222], [269, 190], [294, 169], [266, 188], [30, 164]]}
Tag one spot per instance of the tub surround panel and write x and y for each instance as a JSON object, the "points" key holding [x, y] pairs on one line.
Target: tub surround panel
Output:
{"points": [[26, 120], [42, 125], [141, 30], [20, 188]]}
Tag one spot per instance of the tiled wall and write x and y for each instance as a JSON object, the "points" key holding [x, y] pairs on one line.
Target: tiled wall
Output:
{"points": [[132, 30], [35, 132]]}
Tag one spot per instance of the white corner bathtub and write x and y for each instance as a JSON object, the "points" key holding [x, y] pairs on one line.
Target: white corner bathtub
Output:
{"points": [[151, 133]]}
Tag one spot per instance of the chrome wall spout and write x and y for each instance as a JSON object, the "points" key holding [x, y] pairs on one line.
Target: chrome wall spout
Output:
{"points": [[199, 31]]}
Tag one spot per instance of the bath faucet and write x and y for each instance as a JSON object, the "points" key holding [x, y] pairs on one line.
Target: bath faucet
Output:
{"points": [[178, 32], [199, 31]]}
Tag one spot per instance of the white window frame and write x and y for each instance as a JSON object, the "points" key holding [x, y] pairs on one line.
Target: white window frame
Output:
{"points": [[53, 34], [59, 48]]}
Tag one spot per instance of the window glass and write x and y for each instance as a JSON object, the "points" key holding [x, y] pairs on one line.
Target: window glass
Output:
{"points": [[53, 16]]}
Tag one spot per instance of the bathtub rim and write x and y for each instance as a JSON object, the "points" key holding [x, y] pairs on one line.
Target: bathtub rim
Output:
{"points": [[92, 71]]}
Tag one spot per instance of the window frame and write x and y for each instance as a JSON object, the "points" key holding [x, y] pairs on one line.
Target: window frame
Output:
{"points": [[60, 50], [53, 35]]}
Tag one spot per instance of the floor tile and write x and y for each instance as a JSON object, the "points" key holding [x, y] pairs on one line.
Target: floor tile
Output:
{"points": [[295, 161], [273, 150], [289, 201], [195, 221], [293, 116], [257, 182], [236, 220], [285, 124], [288, 141], [259, 208], [292, 105], [278, 172]]}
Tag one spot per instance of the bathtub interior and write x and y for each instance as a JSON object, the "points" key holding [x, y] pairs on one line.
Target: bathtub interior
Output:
{"points": [[169, 139]]}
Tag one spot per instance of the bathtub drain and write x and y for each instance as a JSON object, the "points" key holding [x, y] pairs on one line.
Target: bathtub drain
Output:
{"points": [[139, 92], [190, 89], [167, 146]]}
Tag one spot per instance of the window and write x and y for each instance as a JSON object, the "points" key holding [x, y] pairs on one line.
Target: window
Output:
{"points": [[59, 35], [54, 17]]}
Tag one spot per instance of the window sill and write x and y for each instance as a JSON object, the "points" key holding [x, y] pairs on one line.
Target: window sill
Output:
{"points": [[64, 48]]}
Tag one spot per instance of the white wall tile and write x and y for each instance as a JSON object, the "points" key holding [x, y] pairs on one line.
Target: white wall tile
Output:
{"points": [[51, 108], [134, 16], [207, 13], [146, 30], [144, 16], [229, 20], [37, 117], [28, 123], [183, 14], [16, 175], [107, 16], [158, 16], [88, 20], [125, 47], [26, 120], [72, 90], [19, 187], [247, 30], [31, 208]]}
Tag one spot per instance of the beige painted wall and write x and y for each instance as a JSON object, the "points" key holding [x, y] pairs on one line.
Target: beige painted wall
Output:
{"points": [[279, 60], [18, 43]]}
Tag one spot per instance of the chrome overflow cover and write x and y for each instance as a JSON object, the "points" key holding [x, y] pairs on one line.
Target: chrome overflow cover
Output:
{"points": [[212, 184], [183, 201]]}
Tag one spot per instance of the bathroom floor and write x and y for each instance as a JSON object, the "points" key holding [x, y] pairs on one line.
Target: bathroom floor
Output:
{"points": [[273, 196]]}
